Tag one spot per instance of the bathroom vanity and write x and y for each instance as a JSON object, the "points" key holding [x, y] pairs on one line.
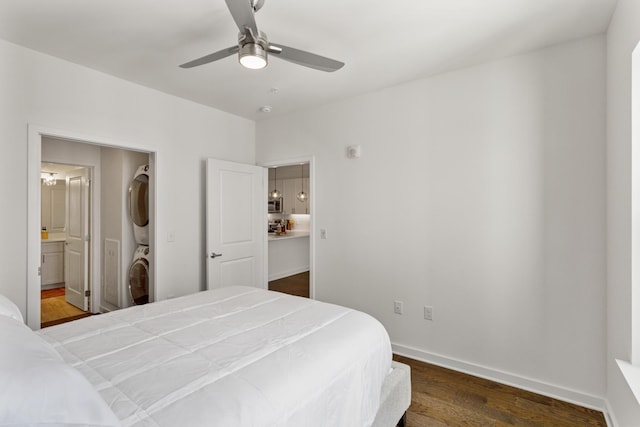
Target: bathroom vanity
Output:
{"points": [[52, 261]]}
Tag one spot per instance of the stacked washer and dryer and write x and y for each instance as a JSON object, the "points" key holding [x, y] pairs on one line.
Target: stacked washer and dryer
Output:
{"points": [[139, 212]]}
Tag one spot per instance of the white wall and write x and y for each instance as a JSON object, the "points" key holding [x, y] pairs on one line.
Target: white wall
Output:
{"points": [[112, 224], [622, 37], [480, 192], [42, 90]]}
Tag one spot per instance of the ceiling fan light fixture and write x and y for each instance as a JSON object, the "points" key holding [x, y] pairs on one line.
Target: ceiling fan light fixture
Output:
{"points": [[253, 46], [252, 56]]}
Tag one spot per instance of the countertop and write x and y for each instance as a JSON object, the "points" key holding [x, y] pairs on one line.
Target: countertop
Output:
{"points": [[55, 237], [292, 234]]}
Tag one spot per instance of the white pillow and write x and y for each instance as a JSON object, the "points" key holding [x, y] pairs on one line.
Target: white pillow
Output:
{"points": [[39, 388], [8, 308]]}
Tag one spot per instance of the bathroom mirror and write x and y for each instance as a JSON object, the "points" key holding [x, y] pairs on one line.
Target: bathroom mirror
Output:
{"points": [[139, 200]]}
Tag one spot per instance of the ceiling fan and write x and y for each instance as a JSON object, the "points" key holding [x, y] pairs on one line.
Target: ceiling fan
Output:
{"points": [[253, 46]]}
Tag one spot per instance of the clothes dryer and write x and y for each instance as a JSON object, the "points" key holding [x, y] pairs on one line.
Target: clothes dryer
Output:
{"points": [[139, 276], [139, 204]]}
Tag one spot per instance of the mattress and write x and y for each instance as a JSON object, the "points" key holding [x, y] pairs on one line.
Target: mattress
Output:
{"points": [[234, 356]]}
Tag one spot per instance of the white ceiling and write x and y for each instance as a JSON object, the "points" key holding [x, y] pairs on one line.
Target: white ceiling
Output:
{"points": [[382, 42], [59, 170]]}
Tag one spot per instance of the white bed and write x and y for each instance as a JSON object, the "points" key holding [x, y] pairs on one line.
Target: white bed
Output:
{"points": [[230, 357]]}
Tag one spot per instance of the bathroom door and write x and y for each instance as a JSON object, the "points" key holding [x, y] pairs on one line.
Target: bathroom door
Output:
{"points": [[236, 224], [76, 254]]}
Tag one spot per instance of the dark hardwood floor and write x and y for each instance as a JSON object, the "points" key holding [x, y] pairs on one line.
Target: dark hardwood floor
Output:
{"points": [[297, 284], [442, 397]]}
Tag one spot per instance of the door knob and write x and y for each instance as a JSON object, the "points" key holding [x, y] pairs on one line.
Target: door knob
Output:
{"points": [[215, 255]]}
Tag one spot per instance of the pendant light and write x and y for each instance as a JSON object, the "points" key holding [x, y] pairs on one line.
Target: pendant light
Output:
{"points": [[302, 196], [275, 194]]}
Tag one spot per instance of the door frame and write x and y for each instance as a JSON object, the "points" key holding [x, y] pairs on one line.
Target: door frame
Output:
{"points": [[34, 158], [312, 212]]}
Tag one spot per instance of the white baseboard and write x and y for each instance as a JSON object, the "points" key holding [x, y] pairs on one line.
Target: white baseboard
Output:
{"points": [[103, 310], [535, 386], [53, 286], [608, 415]]}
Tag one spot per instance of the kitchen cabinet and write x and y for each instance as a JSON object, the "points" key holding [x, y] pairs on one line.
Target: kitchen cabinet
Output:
{"points": [[291, 188], [289, 254], [52, 267]]}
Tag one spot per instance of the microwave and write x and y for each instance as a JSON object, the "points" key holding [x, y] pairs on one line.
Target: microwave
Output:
{"points": [[274, 205]]}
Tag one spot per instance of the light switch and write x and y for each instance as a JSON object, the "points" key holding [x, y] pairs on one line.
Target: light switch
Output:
{"points": [[323, 233]]}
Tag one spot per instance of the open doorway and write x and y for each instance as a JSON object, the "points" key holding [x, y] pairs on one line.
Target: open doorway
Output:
{"points": [[65, 234], [290, 224], [96, 189], [110, 240]]}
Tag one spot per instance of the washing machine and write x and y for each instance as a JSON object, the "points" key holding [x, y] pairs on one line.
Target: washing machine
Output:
{"points": [[139, 204], [139, 276]]}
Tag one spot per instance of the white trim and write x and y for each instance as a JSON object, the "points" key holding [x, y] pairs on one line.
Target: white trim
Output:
{"points": [[609, 418], [635, 207], [34, 157], [631, 374], [312, 206], [34, 152], [535, 386]]}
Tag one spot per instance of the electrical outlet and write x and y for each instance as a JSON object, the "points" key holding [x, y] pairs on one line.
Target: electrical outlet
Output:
{"points": [[397, 307], [323, 233], [428, 312]]}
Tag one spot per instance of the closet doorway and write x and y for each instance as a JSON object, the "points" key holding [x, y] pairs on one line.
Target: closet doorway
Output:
{"points": [[113, 165], [290, 219]]}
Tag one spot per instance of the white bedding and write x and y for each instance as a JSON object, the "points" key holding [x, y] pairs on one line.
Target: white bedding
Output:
{"points": [[232, 357]]}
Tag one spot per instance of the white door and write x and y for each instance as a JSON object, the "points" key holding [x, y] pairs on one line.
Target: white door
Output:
{"points": [[236, 224], [76, 256]]}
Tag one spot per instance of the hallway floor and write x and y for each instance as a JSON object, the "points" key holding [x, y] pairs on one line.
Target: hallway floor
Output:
{"points": [[298, 285], [54, 309]]}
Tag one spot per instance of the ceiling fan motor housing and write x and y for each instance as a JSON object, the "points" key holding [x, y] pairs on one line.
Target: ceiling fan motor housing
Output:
{"points": [[253, 50]]}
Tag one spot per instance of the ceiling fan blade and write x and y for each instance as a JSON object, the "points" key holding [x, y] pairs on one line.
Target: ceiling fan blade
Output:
{"points": [[242, 13], [306, 59], [257, 5], [211, 57]]}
